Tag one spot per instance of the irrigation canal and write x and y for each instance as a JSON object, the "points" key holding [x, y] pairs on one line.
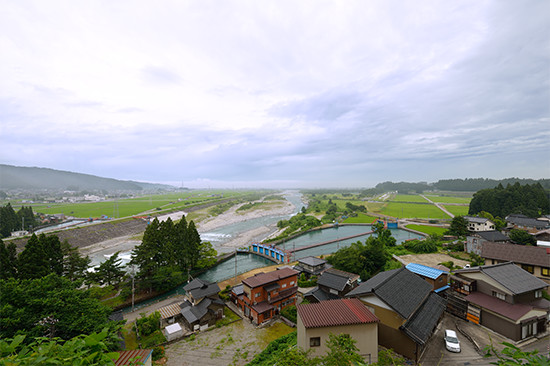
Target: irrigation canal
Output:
{"points": [[302, 246]]}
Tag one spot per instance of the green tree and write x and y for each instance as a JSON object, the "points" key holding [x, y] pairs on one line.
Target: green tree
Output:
{"points": [[8, 261], [383, 234], [8, 221], [512, 355], [51, 306], [364, 259], [82, 350], [342, 351], [75, 266], [522, 237], [110, 271], [32, 261], [458, 227]]}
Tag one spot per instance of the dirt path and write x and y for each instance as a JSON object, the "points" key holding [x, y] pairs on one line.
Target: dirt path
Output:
{"points": [[438, 205]]}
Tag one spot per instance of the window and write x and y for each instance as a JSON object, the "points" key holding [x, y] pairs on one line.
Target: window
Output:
{"points": [[315, 341], [499, 295], [538, 293], [528, 268], [545, 271], [284, 285], [257, 294]]}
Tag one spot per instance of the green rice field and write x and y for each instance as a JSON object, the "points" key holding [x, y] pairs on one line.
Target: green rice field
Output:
{"points": [[409, 198], [413, 210], [457, 210], [430, 230], [447, 199], [132, 206]]}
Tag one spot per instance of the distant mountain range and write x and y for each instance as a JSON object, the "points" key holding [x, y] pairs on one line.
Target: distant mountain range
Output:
{"points": [[32, 178]]}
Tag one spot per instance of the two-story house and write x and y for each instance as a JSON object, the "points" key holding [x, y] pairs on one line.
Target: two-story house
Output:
{"points": [[479, 223], [266, 294], [475, 240], [535, 260], [311, 266], [202, 306], [505, 298], [332, 284], [406, 306]]}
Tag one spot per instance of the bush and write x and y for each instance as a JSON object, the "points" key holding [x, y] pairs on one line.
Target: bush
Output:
{"points": [[291, 313], [456, 247], [148, 324], [421, 246], [158, 353]]}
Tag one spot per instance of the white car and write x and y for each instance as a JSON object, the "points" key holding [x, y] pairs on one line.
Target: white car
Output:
{"points": [[451, 341]]}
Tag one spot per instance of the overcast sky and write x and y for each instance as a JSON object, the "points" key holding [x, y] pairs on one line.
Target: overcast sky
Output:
{"points": [[277, 93]]}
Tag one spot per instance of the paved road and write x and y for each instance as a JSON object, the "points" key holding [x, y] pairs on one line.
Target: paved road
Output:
{"points": [[471, 354]]}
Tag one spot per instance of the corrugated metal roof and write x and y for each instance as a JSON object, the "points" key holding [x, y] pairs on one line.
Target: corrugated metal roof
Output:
{"points": [[169, 311], [423, 270], [126, 356], [335, 312]]}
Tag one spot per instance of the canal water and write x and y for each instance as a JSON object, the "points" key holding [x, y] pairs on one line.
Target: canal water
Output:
{"points": [[247, 262]]}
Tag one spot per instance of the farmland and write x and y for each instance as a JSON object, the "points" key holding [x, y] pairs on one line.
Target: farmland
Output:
{"points": [[135, 206]]}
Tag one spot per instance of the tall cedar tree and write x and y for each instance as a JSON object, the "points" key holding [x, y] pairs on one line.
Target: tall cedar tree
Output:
{"points": [[8, 261], [8, 221], [529, 200], [42, 255]]}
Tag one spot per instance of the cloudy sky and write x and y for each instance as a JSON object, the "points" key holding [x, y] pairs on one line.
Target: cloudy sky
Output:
{"points": [[277, 93]]}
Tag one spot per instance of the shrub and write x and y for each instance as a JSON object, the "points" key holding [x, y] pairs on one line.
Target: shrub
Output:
{"points": [[158, 353], [148, 324], [291, 313], [421, 246]]}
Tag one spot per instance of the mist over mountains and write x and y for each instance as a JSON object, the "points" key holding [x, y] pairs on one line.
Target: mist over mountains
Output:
{"points": [[33, 178]]}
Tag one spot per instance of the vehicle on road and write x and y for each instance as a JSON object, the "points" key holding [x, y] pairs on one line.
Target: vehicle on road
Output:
{"points": [[451, 341]]}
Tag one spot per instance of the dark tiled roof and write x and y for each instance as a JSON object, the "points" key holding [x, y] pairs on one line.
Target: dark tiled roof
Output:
{"points": [[238, 290], [372, 282], [194, 313], [199, 288], [527, 222], [312, 261], [524, 254], [404, 292], [511, 311], [352, 276], [321, 295], [479, 220], [333, 281], [335, 312], [265, 278], [492, 235], [509, 275], [421, 325]]}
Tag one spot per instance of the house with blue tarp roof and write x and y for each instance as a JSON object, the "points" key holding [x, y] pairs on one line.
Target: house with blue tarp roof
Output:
{"points": [[438, 278]]}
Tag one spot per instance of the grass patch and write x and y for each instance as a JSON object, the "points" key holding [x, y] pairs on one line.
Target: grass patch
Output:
{"points": [[430, 230], [271, 354], [229, 317], [360, 219], [130, 338]]}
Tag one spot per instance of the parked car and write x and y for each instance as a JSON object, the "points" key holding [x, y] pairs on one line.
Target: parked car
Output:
{"points": [[451, 341]]}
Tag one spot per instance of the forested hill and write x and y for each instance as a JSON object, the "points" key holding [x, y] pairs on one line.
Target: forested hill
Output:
{"points": [[466, 185], [476, 184], [14, 177]]}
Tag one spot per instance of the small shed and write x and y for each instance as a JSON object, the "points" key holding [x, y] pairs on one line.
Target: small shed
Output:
{"points": [[173, 331]]}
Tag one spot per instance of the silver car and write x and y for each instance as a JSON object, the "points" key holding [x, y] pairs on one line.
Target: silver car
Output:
{"points": [[451, 341]]}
